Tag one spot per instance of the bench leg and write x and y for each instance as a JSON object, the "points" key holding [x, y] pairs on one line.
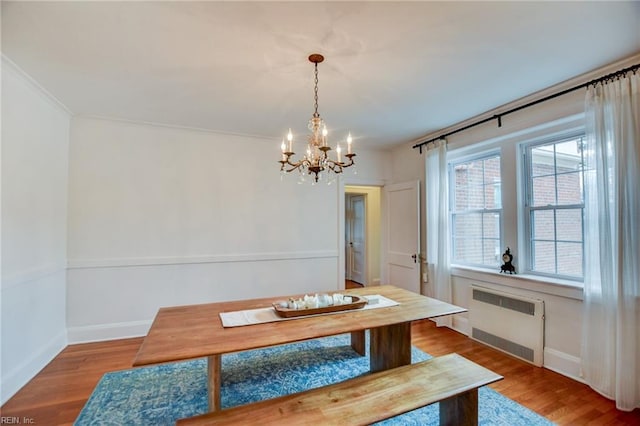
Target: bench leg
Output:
{"points": [[214, 380], [460, 410], [390, 346], [357, 342]]}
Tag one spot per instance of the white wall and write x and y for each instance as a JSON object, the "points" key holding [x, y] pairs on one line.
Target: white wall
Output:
{"points": [[35, 135], [161, 216], [563, 303]]}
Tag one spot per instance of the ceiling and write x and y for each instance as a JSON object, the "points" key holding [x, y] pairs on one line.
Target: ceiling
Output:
{"points": [[394, 71]]}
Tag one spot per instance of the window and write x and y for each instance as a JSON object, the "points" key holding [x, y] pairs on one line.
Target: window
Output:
{"points": [[554, 207], [476, 209]]}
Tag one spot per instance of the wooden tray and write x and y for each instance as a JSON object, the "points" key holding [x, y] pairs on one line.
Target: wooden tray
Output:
{"points": [[357, 303]]}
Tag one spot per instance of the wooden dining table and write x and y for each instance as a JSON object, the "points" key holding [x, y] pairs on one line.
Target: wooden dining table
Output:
{"points": [[186, 332]]}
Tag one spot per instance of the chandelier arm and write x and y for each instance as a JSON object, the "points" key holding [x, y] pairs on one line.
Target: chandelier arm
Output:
{"points": [[294, 166], [334, 166]]}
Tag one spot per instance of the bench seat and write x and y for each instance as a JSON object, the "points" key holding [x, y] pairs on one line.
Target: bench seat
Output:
{"points": [[450, 379]]}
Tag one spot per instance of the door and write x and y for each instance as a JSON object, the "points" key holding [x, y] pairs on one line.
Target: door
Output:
{"points": [[356, 244], [402, 208]]}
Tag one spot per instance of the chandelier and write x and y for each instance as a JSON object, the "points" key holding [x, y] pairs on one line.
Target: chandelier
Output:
{"points": [[316, 160]]}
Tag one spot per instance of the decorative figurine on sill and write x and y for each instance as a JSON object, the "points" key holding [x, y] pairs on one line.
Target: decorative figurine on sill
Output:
{"points": [[507, 258]]}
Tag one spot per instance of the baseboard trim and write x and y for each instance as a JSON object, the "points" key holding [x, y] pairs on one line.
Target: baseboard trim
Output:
{"points": [[20, 376], [461, 324], [562, 363], [103, 332]]}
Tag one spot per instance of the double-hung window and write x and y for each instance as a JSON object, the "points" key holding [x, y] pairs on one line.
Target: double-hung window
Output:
{"points": [[554, 207], [476, 210]]}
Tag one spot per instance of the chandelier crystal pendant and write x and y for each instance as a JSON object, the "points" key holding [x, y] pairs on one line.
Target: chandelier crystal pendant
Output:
{"points": [[316, 159]]}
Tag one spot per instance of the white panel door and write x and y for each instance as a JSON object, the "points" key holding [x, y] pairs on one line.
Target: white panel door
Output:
{"points": [[356, 244], [402, 208]]}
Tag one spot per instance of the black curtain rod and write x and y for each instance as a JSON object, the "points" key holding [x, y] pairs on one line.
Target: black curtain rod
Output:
{"points": [[608, 77]]}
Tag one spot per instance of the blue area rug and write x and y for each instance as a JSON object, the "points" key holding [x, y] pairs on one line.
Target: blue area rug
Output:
{"points": [[159, 395]]}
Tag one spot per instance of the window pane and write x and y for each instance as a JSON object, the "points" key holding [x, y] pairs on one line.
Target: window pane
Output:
{"points": [[461, 198], [469, 225], [458, 248], [461, 191], [492, 170], [475, 211], [544, 257], [570, 259], [475, 173], [476, 197], [491, 253], [543, 225], [469, 250], [542, 160], [555, 181], [498, 195], [568, 156], [544, 191], [491, 225], [492, 195], [569, 188], [569, 225]]}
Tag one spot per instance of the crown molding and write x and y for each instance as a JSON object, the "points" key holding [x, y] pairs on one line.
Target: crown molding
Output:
{"points": [[9, 65]]}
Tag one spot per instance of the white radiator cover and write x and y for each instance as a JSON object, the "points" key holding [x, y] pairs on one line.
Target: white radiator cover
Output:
{"points": [[508, 322]]}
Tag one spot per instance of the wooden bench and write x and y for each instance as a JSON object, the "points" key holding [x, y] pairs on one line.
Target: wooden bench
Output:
{"points": [[450, 379]]}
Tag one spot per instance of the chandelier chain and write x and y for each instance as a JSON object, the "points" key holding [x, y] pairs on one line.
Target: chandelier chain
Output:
{"points": [[316, 114]]}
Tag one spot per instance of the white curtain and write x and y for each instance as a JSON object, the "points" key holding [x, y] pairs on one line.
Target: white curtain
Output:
{"points": [[437, 206], [611, 333]]}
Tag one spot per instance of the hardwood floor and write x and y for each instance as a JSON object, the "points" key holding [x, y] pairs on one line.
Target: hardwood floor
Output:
{"points": [[352, 284], [58, 393]]}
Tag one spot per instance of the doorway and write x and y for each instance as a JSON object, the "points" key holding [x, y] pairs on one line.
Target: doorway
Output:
{"points": [[355, 238], [362, 242]]}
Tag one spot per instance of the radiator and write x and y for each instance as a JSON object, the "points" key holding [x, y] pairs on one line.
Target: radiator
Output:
{"points": [[513, 324]]}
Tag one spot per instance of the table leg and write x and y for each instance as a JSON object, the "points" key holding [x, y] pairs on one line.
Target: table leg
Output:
{"points": [[460, 410], [390, 346], [214, 382], [358, 341]]}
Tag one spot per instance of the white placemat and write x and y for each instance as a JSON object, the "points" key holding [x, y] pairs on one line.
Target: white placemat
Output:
{"points": [[262, 315]]}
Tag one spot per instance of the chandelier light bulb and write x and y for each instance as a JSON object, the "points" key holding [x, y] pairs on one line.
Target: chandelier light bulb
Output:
{"points": [[290, 139]]}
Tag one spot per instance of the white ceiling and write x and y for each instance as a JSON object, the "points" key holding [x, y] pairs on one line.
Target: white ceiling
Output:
{"points": [[393, 71]]}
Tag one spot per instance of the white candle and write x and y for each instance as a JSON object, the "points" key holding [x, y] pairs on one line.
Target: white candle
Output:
{"points": [[338, 150], [324, 136], [290, 139], [349, 140]]}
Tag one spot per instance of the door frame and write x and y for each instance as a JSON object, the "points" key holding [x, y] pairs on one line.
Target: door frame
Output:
{"points": [[352, 181]]}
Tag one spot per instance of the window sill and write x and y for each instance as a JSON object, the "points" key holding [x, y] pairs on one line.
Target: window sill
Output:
{"points": [[556, 287]]}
